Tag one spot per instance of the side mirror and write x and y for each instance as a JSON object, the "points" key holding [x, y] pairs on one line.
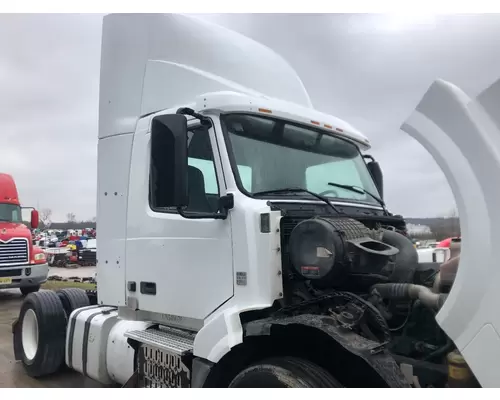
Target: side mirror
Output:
{"points": [[34, 219], [169, 161], [376, 173]]}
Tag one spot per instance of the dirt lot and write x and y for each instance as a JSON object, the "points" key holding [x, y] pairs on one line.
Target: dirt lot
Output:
{"points": [[82, 272], [11, 372]]}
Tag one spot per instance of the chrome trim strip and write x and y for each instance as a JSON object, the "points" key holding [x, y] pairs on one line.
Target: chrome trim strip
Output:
{"points": [[27, 251]]}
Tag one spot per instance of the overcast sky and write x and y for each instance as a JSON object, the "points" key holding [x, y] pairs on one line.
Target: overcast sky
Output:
{"points": [[370, 70]]}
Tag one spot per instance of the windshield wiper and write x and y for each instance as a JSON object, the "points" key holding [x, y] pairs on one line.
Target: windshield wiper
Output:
{"points": [[298, 190], [359, 190]]}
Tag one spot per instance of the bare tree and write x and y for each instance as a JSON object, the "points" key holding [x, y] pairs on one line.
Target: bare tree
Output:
{"points": [[71, 217], [455, 222], [45, 216], [446, 226], [94, 219]]}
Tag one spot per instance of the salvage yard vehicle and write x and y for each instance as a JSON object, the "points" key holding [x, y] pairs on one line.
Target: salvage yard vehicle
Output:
{"points": [[57, 256], [22, 264], [87, 255], [244, 240]]}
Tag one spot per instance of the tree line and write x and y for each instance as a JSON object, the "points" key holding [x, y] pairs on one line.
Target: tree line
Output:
{"points": [[441, 227], [45, 221]]}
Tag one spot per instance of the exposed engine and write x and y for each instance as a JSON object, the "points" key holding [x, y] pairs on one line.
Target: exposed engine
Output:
{"points": [[370, 281], [344, 254], [332, 251]]}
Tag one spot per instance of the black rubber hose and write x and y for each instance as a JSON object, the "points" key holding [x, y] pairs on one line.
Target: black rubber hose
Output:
{"points": [[393, 291], [440, 352], [407, 291], [406, 260]]}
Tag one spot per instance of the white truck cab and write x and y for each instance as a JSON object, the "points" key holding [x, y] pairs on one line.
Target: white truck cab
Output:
{"points": [[244, 240]]}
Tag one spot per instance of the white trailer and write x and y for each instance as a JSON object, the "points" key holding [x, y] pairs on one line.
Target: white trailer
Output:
{"points": [[243, 237]]}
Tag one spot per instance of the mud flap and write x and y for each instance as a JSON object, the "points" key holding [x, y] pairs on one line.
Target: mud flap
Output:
{"points": [[18, 351], [373, 353]]}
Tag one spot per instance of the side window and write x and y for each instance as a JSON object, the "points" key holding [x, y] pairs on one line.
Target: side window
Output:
{"points": [[207, 168], [203, 189]]}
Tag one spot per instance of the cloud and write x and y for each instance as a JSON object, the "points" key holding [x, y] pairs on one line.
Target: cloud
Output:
{"points": [[373, 75], [366, 69], [49, 79]]}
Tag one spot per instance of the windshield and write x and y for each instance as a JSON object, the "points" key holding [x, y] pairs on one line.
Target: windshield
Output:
{"points": [[272, 154], [10, 213]]}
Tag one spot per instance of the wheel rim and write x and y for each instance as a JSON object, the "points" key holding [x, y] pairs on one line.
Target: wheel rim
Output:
{"points": [[30, 334]]}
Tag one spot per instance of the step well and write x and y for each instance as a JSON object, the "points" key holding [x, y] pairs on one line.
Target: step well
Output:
{"points": [[175, 341]]}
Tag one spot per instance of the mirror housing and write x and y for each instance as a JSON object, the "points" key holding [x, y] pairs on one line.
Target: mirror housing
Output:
{"points": [[169, 160], [376, 173], [34, 219]]}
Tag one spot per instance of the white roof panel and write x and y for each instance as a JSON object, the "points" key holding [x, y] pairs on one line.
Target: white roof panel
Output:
{"points": [[153, 62]]}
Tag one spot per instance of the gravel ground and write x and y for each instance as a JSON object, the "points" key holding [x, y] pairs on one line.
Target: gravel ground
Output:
{"points": [[12, 374], [81, 272]]}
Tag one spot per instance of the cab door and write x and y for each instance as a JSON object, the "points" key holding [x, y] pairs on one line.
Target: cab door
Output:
{"points": [[180, 262]]}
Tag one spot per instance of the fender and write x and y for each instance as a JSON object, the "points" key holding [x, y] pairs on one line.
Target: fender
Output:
{"points": [[373, 353]]}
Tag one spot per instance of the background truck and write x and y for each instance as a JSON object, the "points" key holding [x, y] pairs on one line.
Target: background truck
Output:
{"points": [[22, 265], [244, 240]]}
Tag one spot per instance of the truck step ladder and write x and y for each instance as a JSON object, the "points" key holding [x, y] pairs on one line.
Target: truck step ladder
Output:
{"points": [[172, 340]]}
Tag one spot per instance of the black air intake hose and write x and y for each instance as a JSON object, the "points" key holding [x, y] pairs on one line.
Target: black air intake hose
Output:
{"points": [[406, 260], [407, 291]]}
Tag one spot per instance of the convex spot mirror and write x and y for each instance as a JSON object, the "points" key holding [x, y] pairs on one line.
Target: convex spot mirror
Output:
{"points": [[376, 173]]}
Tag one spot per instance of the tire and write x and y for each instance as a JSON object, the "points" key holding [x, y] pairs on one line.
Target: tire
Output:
{"points": [[41, 333], [29, 289], [72, 299], [284, 372]]}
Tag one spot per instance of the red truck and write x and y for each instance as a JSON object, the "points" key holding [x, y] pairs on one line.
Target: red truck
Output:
{"points": [[22, 265]]}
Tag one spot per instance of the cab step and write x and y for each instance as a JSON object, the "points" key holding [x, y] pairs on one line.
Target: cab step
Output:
{"points": [[172, 340]]}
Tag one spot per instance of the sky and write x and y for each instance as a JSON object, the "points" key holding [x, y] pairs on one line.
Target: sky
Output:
{"points": [[370, 70]]}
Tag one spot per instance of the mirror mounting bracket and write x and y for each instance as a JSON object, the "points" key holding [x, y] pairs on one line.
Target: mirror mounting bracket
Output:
{"points": [[188, 111], [226, 203]]}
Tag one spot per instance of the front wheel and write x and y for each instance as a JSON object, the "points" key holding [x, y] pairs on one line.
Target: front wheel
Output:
{"points": [[284, 372]]}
